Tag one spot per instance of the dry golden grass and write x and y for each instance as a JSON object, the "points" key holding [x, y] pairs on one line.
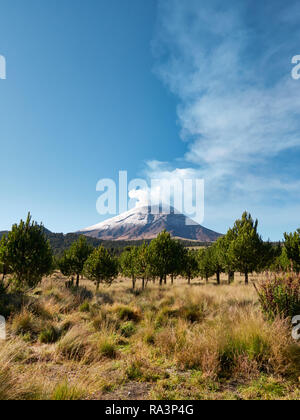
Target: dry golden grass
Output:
{"points": [[193, 342]]}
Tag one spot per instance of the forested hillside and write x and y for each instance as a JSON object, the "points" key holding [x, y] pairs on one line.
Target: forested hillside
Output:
{"points": [[60, 242]]}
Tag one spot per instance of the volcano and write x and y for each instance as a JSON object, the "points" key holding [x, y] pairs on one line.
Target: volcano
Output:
{"points": [[140, 223]]}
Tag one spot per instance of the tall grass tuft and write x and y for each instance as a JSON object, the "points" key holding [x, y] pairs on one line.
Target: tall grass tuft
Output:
{"points": [[280, 295], [65, 392], [25, 324], [49, 335]]}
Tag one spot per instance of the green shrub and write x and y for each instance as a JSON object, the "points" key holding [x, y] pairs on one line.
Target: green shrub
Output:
{"points": [[107, 387], [166, 316], [193, 313], [280, 296], [253, 347], [84, 307], [128, 329], [170, 312], [65, 327], [65, 392], [149, 337], [134, 371], [107, 348], [49, 335], [27, 337], [127, 314], [264, 388]]}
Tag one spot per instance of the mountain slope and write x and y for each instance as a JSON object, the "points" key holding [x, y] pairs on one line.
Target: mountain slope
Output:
{"points": [[140, 223]]}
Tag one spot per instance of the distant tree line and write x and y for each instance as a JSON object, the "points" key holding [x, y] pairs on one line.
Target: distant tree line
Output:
{"points": [[240, 250], [61, 242], [26, 257]]}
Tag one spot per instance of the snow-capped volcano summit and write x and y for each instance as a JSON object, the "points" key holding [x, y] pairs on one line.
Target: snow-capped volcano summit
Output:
{"points": [[141, 223]]}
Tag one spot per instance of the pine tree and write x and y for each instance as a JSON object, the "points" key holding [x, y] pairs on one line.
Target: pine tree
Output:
{"points": [[67, 268], [190, 268], [280, 262], [77, 256], [223, 245], [101, 267], [178, 259], [269, 254], [217, 260], [142, 264], [292, 249], [161, 256], [27, 253], [246, 249], [128, 264], [205, 263]]}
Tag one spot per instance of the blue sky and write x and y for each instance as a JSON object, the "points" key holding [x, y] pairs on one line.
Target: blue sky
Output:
{"points": [[157, 88]]}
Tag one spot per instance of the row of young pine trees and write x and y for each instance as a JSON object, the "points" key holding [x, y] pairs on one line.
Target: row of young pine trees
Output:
{"points": [[26, 257]]}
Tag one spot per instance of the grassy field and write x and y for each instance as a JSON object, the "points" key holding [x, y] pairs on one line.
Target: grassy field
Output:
{"points": [[181, 342]]}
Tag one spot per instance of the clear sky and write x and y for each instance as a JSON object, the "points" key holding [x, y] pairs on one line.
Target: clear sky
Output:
{"points": [[157, 88]]}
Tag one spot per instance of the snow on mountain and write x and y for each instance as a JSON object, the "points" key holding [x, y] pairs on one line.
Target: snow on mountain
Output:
{"points": [[140, 223]]}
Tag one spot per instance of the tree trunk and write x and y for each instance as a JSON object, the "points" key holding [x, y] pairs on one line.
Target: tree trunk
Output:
{"points": [[189, 281], [97, 285], [77, 280], [161, 280], [231, 277], [133, 283], [218, 277], [246, 278], [72, 281], [143, 283], [206, 279], [165, 279], [172, 279]]}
